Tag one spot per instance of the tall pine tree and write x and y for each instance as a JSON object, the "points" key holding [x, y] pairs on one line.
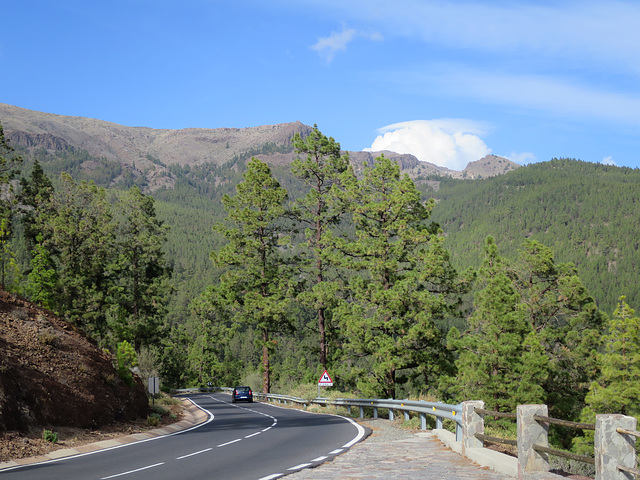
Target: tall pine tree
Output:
{"points": [[323, 171], [259, 279], [499, 359], [402, 281]]}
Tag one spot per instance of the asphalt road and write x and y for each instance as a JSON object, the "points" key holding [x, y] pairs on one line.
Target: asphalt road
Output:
{"points": [[243, 440]]}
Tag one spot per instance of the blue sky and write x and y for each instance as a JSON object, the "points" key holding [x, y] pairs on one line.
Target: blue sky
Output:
{"points": [[447, 81]]}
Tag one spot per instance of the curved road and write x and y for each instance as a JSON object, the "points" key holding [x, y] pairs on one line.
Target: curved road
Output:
{"points": [[248, 440]]}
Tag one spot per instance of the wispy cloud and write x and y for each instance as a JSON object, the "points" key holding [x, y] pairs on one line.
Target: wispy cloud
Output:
{"points": [[588, 32], [451, 143], [328, 47], [545, 93]]}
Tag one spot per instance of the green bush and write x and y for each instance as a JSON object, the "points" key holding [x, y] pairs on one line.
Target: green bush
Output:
{"points": [[154, 419], [50, 436]]}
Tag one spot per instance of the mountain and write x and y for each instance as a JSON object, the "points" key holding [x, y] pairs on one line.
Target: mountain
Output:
{"points": [[586, 213], [147, 152]]}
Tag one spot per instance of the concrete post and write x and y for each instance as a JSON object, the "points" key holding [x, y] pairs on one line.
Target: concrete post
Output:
{"points": [[530, 433], [472, 423], [613, 448]]}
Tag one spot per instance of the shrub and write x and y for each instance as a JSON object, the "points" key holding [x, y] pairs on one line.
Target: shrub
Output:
{"points": [[50, 436], [154, 419]]}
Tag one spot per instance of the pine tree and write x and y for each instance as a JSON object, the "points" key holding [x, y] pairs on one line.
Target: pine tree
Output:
{"points": [[35, 195], [322, 171], [142, 275], [42, 279], [499, 358], [617, 389], [79, 235], [566, 322], [258, 282], [401, 283]]}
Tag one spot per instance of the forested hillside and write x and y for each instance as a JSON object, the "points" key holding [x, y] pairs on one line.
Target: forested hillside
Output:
{"points": [[586, 213], [267, 274]]}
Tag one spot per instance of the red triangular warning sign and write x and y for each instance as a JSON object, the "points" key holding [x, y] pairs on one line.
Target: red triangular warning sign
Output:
{"points": [[325, 380]]}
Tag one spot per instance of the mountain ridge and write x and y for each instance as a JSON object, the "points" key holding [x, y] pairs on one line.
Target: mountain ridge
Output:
{"points": [[146, 149]]}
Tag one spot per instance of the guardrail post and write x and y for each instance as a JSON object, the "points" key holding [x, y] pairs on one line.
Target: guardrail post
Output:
{"points": [[406, 416], [472, 423], [530, 433], [423, 421], [375, 412], [613, 448], [361, 412], [439, 423], [391, 414]]}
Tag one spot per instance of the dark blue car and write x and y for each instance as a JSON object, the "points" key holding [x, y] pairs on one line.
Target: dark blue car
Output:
{"points": [[242, 394]]}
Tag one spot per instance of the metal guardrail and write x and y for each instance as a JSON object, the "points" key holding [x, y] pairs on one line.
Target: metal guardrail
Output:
{"points": [[441, 411]]}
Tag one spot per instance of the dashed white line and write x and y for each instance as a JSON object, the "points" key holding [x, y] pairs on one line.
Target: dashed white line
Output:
{"points": [[300, 467], [253, 435], [271, 477], [229, 443], [319, 459], [132, 471], [194, 453], [335, 452]]}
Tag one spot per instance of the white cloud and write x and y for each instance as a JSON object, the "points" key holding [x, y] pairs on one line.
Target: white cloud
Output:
{"points": [[609, 161], [336, 42], [327, 47], [451, 143]]}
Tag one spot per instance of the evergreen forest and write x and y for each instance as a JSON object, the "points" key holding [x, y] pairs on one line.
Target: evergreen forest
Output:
{"points": [[512, 289]]}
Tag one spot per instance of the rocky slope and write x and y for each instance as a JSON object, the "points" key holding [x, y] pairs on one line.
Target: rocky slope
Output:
{"points": [[52, 375]]}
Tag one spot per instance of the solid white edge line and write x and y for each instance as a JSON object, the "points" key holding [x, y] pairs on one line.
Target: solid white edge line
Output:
{"points": [[132, 471], [271, 477], [194, 453], [336, 451], [253, 435], [358, 437], [54, 460], [319, 459], [299, 467]]}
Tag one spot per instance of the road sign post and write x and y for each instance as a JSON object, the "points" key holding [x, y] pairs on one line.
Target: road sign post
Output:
{"points": [[325, 381], [154, 387]]}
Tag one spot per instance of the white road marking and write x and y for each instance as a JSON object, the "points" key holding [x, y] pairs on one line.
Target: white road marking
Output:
{"points": [[319, 459], [300, 467], [132, 471], [271, 477], [229, 443], [194, 453], [253, 435], [335, 452]]}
